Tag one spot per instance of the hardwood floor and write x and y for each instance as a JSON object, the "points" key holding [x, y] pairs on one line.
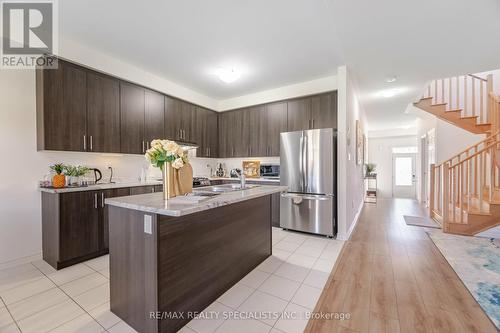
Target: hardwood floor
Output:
{"points": [[390, 277]]}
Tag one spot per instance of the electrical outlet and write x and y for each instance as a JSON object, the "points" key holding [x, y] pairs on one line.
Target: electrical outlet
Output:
{"points": [[148, 224]]}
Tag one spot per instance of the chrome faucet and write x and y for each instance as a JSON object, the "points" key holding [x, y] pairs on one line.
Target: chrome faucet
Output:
{"points": [[242, 178]]}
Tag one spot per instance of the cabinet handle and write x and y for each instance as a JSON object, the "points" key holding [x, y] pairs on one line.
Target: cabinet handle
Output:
{"points": [[312, 121], [209, 151], [184, 134], [143, 146], [102, 199], [95, 200], [84, 142], [91, 146], [152, 189]]}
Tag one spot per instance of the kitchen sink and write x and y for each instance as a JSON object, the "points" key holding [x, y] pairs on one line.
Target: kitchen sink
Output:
{"points": [[226, 188]]}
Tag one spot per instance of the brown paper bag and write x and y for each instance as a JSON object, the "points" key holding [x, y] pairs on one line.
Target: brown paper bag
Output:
{"points": [[182, 180]]}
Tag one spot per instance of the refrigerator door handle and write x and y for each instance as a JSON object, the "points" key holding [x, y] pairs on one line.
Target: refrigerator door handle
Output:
{"points": [[307, 196], [306, 164], [301, 161]]}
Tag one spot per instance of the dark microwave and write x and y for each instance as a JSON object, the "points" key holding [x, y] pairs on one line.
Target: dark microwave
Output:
{"points": [[270, 170]]}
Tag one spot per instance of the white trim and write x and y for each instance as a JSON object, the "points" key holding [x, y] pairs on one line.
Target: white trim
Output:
{"points": [[354, 222], [312, 87], [20, 261]]}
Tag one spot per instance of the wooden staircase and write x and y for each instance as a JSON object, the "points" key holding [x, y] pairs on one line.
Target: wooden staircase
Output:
{"points": [[465, 190]]}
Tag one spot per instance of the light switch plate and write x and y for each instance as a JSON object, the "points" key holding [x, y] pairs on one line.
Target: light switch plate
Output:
{"points": [[148, 224]]}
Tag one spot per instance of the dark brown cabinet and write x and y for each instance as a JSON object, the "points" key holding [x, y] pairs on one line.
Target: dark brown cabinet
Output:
{"points": [[79, 224], [103, 113], [103, 214], [154, 117], [299, 114], [206, 133], [319, 111], [234, 133], [180, 120], [145, 189], [75, 225], [132, 118], [324, 110], [252, 132], [61, 108]]}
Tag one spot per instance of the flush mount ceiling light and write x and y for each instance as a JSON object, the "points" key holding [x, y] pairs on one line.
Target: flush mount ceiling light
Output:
{"points": [[228, 75], [391, 79], [389, 93]]}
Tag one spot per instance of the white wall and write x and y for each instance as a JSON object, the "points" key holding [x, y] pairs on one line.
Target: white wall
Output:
{"points": [[380, 153], [350, 188]]}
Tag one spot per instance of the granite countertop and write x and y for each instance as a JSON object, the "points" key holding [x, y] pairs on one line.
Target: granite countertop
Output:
{"points": [[97, 187], [267, 180], [154, 202]]}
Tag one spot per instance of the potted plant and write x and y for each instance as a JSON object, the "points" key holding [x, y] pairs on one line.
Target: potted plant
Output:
{"points": [[370, 169], [59, 179], [166, 155]]}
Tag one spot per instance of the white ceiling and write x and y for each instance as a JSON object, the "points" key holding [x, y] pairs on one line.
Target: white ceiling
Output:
{"points": [[280, 42]]}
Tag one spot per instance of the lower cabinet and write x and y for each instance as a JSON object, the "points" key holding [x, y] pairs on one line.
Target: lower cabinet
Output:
{"points": [[145, 189], [75, 225]]}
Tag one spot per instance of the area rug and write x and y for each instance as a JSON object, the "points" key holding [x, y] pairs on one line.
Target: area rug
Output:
{"points": [[421, 221], [477, 262]]}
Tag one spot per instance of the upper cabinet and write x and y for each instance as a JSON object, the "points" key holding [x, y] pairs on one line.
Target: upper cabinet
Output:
{"points": [[154, 117], [299, 114], [206, 133], [132, 118], [319, 111], [324, 110], [276, 120], [103, 113], [180, 120], [79, 109], [62, 108]]}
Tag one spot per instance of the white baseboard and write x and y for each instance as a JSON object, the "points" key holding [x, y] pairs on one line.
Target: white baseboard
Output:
{"points": [[20, 261], [353, 224]]}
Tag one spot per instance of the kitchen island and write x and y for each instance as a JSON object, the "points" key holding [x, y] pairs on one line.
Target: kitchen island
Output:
{"points": [[170, 260]]}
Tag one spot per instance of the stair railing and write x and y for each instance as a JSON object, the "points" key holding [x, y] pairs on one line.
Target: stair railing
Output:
{"points": [[465, 186], [469, 93]]}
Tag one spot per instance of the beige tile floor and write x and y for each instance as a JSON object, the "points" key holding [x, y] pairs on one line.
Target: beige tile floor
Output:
{"points": [[34, 297]]}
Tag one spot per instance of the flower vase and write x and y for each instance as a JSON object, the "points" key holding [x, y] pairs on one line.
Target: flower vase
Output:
{"points": [[167, 175]]}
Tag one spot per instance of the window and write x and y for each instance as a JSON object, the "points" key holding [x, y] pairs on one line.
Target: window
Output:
{"points": [[405, 150], [403, 172]]}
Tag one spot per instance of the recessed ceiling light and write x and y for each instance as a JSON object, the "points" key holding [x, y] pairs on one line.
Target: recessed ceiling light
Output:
{"points": [[391, 79], [228, 75]]}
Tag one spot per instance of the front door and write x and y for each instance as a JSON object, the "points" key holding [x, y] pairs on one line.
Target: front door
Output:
{"points": [[403, 183]]}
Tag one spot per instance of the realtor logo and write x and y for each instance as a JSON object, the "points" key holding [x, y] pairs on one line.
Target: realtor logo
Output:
{"points": [[28, 31]]}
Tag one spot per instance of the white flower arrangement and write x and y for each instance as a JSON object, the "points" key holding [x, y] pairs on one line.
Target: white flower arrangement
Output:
{"points": [[166, 151]]}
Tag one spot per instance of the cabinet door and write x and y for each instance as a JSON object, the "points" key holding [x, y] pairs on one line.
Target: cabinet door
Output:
{"points": [[225, 146], [211, 137], [324, 110], [188, 116], [173, 118], [276, 123], [104, 218], [154, 117], [79, 224], [132, 118], [142, 190], [239, 133], [103, 113], [64, 108], [201, 132], [299, 114], [257, 127]]}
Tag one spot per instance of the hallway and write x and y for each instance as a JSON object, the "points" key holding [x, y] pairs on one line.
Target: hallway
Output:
{"points": [[390, 277]]}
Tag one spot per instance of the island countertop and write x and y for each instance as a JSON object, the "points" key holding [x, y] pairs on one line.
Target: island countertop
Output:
{"points": [[154, 202]]}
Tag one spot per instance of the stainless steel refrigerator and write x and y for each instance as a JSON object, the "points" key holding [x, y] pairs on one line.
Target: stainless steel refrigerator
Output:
{"points": [[308, 168]]}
